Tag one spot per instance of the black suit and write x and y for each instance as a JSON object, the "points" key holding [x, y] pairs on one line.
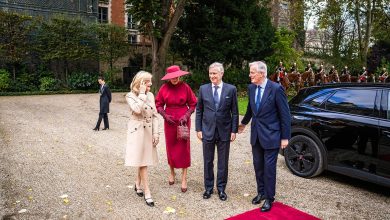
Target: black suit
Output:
{"points": [[216, 125], [105, 99]]}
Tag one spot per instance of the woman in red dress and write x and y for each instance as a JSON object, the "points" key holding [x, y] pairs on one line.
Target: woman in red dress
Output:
{"points": [[179, 102]]}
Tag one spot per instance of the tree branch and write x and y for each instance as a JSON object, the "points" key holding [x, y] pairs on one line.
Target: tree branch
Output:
{"points": [[172, 24]]}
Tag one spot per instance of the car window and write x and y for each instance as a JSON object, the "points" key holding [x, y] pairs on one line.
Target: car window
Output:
{"points": [[317, 94], [317, 101], [353, 101]]}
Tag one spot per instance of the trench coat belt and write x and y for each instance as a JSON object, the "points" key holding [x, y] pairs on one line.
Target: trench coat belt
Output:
{"points": [[144, 120]]}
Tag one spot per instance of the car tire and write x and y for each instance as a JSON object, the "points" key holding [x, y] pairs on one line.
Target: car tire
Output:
{"points": [[304, 157]]}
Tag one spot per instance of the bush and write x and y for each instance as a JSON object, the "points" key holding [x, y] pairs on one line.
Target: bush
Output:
{"points": [[5, 80], [80, 80], [24, 82], [48, 84]]}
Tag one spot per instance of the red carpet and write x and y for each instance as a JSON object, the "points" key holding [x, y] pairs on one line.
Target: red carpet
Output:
{"points": [[279, 211]]}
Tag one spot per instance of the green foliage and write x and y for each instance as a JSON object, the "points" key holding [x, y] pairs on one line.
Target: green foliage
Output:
{"points": [[238, 77], [48, 84], [4, 80], [283, 50], [384, 64], [14, 32], [148, 14], [24, 82], [197, 78], [112, 41], [228, 31], [235, 76], [65, 39], [242, 105], [81, 80]]}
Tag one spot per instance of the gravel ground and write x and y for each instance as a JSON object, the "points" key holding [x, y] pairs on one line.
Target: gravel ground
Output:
{"points": [[53, 166]]}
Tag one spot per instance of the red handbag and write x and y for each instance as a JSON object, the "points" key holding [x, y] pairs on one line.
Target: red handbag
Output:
{"points": [[183, 132]]}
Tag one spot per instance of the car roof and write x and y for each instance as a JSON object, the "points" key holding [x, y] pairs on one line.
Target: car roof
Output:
{"points": [[338, 85], [303, 93]]}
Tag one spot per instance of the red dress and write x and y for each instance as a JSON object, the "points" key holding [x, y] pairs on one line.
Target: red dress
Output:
{"points": [[176, 99]]}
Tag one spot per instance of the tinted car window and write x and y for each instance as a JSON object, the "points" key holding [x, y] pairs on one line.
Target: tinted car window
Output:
{"points": [[318, 100], [359, 102]]}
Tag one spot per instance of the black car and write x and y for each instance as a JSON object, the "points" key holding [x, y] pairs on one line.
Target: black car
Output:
{"points": [[344, 128]]}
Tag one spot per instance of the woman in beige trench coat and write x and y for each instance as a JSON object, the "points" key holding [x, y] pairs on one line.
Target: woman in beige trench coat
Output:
{"points": [[142, 132]]}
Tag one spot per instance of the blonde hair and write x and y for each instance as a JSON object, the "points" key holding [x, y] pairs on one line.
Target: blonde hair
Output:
{"points": [[135, 84]]}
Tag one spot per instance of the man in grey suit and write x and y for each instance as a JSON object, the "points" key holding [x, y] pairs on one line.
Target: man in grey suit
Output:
{"points": [[270, 130], [216, 125]]}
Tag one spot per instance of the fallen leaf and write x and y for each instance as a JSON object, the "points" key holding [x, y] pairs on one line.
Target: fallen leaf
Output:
{"points": [[66, 201], [247, 161], [17, 201], [182, 213], [108, 202], [22, 211], [173, 198], [30, 189], [64, 196], [110, 209], [30, 198], [65, 216], [169, 210], [108, 186], [246, 194], [119, 163], [130, 186]]}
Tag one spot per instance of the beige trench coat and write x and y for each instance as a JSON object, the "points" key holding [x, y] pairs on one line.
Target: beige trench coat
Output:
{"points": [[141, 128]]}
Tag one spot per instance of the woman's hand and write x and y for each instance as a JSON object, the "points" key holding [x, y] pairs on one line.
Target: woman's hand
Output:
{"points": [[155, 140], [142, 87]]}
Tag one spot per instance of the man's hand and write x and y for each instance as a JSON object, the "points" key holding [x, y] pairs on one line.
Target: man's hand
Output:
{"points": [[241, 128], [232, 137], [199, 135], [284, 143]]}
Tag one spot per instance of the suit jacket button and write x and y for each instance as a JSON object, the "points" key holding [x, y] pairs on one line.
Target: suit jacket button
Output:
{"points": [[144, 126], [135, 128], [146, 108]]}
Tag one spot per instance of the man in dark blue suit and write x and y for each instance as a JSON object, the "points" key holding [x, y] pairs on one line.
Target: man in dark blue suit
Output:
{"points": [[270, 129], [216, 125], [105, 99]]}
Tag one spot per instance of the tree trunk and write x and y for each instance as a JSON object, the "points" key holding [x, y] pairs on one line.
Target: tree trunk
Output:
{"points": [[158, 62], [143, 53], [360, 38], [14, 71], [160, 46], [66, 71], [369, 18]]}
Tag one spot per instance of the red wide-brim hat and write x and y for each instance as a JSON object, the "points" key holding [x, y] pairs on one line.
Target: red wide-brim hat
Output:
{"points": [[173, 72]]}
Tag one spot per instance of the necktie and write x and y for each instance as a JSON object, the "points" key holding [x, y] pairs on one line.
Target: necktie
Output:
{"points": [[258, 98], [216, 97]]}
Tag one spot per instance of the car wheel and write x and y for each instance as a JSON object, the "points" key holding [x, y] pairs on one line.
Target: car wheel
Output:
{"points": [[304, 157]]}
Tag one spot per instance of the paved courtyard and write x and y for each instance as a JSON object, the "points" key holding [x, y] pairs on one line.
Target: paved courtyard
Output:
{"points": [[53, 166]]}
